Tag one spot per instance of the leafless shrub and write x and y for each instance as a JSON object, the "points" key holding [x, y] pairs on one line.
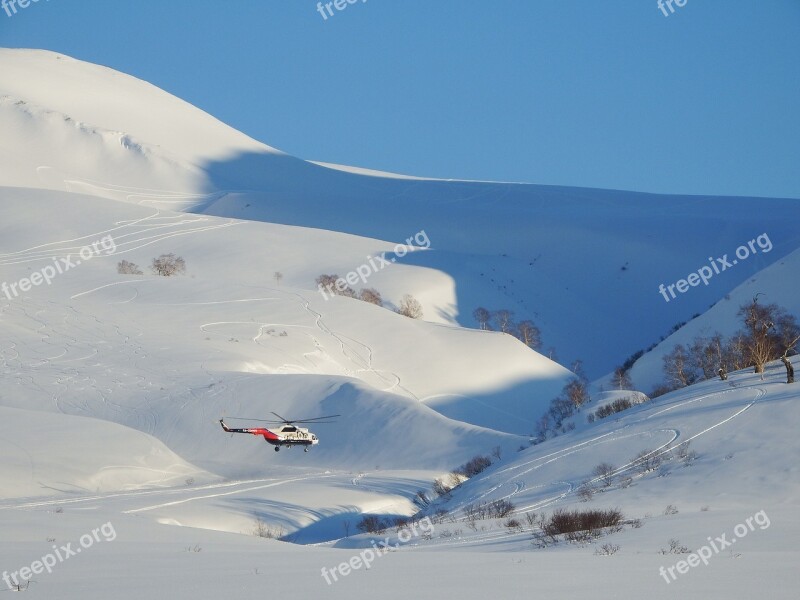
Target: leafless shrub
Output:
{"points": [[335, 285], [372, 296], [566, 521], [264, 530], [614, 407], [605, 472], [647, 460], [675, 547], [684, 454], [195, 548], [671, 510], [660, 390], [497, 452], [586, 492], [455, 479], [625, 482], [440, 488], [636, 523], [530, 518], [21, 587], [439, 516], [581, 537], [410, 307], [372, 524], [477, 464], [278, 276], [499, 509], [512, 523], [168, 265], [125, 267], [607, 550]]}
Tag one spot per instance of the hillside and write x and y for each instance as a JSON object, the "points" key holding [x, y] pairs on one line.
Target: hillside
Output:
{"points": [[598, 256], [115, 383]]}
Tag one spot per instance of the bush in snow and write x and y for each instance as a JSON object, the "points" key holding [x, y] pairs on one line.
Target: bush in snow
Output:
{"points": [[125, 267], [168, 265], [410, 307]]}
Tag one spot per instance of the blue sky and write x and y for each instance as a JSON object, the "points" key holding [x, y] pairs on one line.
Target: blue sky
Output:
{"points": [[598, 93]]}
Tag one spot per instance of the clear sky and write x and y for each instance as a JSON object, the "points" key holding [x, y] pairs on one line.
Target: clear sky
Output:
{"points": [[599, 93]]}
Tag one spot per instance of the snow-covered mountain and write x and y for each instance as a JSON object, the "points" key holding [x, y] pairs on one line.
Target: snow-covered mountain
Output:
{"points": [[584, 265], [113, 384]]}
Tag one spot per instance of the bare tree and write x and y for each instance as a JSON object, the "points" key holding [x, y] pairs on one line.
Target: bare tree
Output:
{"points": [[168, 265], [529, 334], [504, 319], [734, 353], [621, 380], [576, 391], [676, 367], [760, 344], [762, 337], [410, 307], [705, 355], [278, 276], [372, 296], [482, 316], [786, 362]]}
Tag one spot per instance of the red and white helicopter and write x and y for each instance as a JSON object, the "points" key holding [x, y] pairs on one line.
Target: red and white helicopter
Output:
{"points": [[287, 435]]}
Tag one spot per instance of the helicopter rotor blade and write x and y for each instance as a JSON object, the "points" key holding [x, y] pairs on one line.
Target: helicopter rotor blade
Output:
{"points": [[316, 420], [259, 420]]}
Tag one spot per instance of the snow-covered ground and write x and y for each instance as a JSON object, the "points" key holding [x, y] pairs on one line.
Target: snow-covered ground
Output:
{"points": [[113, 385]]}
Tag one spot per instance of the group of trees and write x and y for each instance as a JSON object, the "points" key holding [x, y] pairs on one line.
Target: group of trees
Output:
{"points": [[335, 285], [768, 333], [165, 265], [574, 395], [503, 320]]}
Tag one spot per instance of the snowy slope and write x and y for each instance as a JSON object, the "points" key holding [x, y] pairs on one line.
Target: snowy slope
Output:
{"points": [[113, 384], [776, 284], [544, 252], [742, 431]]}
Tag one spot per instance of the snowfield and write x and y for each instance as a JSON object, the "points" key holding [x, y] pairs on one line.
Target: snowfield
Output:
{"points": [[116, 479]]}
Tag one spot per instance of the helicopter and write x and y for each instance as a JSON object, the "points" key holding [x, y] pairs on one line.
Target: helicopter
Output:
{"points": [[287, 435]]}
